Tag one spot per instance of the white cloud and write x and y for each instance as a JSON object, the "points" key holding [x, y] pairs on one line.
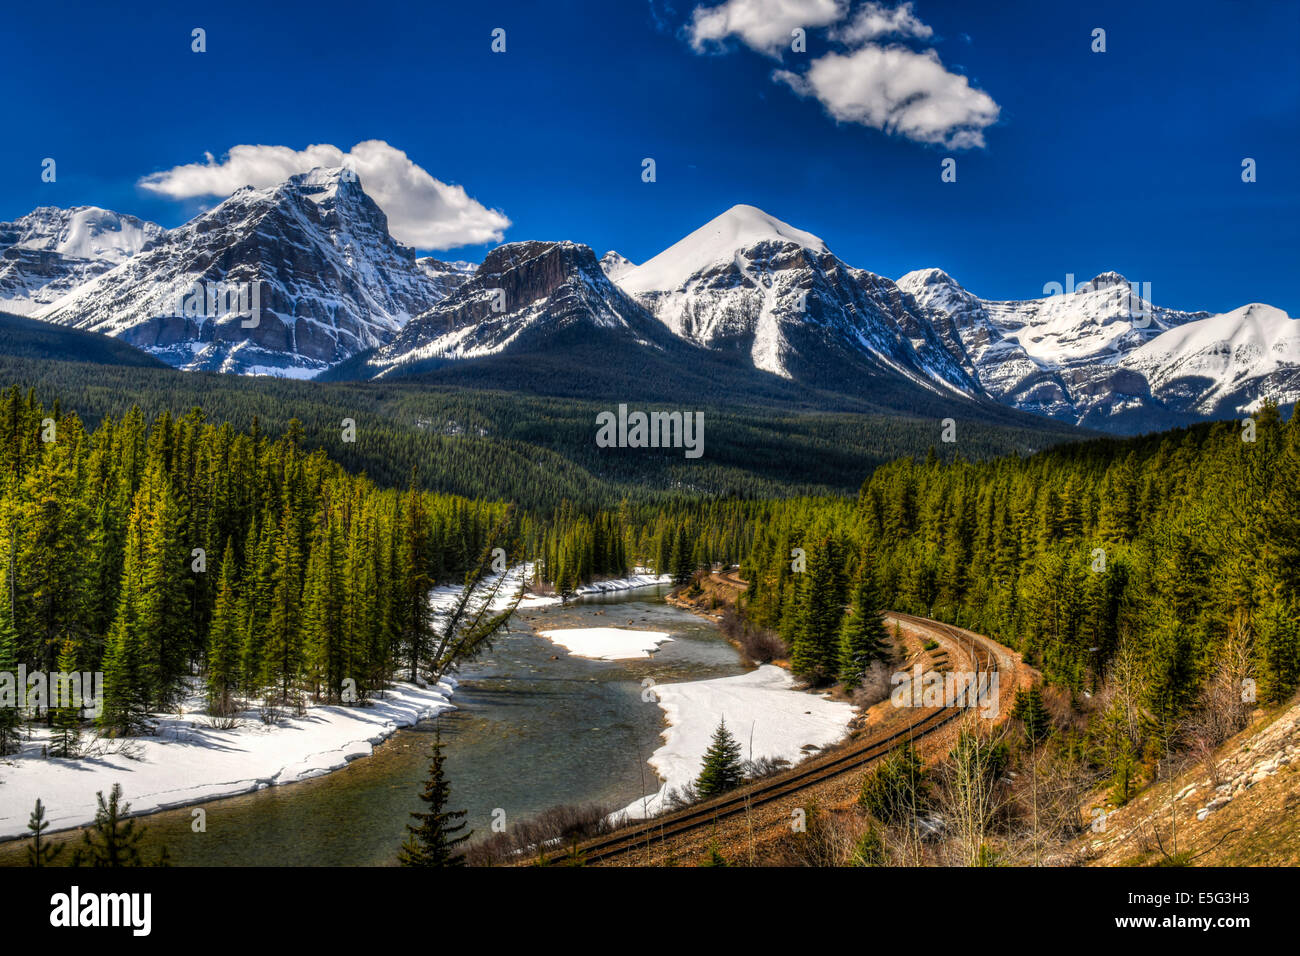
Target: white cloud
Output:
{"points": [[899, 91], [875, 20], [763, 25], [422, 211]]}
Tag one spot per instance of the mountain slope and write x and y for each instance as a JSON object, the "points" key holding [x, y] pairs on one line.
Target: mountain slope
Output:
{"points": [[29, 339], [773, 296], [1226, 363], [47, 253], [332, 282]]}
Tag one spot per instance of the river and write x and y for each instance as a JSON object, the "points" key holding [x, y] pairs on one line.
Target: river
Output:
{"points": [[533, 727]]}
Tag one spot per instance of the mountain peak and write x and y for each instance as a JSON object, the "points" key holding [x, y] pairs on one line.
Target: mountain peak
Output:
{"points": [[743, 225], [1106, 279], [719, 240], [923, 277], [325, 182], [616, 264]]}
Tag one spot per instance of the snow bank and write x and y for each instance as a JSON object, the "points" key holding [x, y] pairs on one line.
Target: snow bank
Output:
{"points": [[607, 643], [445, 596], [187, 761], [761, 705], [641, 579]]}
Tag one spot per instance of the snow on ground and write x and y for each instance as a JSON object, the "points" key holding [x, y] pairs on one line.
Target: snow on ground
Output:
{"points": [[187, 761], [607, 643], [761, 705]]}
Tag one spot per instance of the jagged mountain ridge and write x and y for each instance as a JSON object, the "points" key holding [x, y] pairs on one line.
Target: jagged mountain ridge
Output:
{"points": [[333, 282], [746, 289], [1104, 356], [773, 295]]}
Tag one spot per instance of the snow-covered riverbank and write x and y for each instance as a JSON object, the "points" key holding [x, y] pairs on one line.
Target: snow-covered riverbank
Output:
{"points": [[763, 709], [188, 761]]}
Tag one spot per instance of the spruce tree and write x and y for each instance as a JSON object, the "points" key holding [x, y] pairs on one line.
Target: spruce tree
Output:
{"points": [[283, 655], [682, 565], [862, 634], [40, 853], [113, 840], [434, 838], [1030, 710], [11, 718], [722, 769], [127, 688], [815, 644], [223, 677], [66, 740]]}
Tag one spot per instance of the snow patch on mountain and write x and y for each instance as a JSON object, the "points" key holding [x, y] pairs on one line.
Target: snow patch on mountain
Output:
{"points": [[1240, 358], [47, 253]]}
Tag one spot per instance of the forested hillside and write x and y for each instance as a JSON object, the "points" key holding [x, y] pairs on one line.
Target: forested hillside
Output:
{"points": [[536, 450], [160, 552], [1144, 577]]}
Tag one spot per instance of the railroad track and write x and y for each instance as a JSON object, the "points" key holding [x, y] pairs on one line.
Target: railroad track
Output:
{"points": [[806, 774]]}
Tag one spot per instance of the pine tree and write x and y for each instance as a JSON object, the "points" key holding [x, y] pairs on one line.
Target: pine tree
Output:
{"points": [[722, 769], [1278, 650], [870, 849], [66, 740], [897, 789], [11, 719], [113, 840], [224, 641], [283, 655], [863, 638], [1030, 710], [681, 564], [815, 644], [127, 689], [433, 840], [715, 858], [40, 853]]}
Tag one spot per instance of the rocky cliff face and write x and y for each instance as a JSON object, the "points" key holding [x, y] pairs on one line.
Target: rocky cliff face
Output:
{"points": [[522, 294], [312, 256]]}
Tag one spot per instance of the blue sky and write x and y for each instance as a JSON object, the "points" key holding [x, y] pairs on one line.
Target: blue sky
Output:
{"points": [[1127, 160]]}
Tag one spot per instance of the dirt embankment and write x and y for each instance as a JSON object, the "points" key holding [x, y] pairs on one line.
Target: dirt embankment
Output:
{"points": [[1238, 807], [710, 594]]}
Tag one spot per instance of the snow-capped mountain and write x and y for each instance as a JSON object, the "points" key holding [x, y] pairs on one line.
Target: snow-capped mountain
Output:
{"points": [[1224, 364], [310, 277], [615, 264], [447, 277], [47, 253], [1104, 356], [742, 295], [523, 294], [773, 295]]}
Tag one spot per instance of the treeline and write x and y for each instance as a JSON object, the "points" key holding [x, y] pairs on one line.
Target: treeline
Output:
{"points": [[535, 450], [178, 549]]}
